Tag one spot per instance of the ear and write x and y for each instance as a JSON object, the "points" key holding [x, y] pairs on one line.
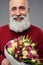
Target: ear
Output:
{"points": [[28, 9]]}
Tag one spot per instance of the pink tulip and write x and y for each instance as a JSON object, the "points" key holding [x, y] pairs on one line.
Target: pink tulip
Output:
{"points": [[30, 55], [20, 58], [28, 48], [9, 44]]}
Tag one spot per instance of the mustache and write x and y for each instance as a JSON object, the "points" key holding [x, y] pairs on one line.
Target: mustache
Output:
{"points": [[21, 17]]}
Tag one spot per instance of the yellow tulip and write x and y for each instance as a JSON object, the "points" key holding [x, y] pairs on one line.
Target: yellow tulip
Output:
{"points": [[33, 44], [14, 45], [10, 50], [24, 53], [33, 60], [34, 52], [24, 57], [26, 44]]}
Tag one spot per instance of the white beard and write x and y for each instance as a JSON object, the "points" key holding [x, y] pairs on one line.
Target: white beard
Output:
{"points": [[19, 26]]}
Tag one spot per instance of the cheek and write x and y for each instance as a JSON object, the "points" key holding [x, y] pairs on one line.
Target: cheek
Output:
{"points": [[24, 12], [12, 13]]}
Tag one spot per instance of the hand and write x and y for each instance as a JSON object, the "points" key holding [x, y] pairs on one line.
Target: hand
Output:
{"points": [[5, 62]]}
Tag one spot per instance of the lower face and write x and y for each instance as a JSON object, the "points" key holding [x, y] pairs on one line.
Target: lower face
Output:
{"points": [[19, 26]]}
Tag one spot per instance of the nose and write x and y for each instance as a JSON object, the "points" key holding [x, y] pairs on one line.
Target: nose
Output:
{"points": [[18, 12]]}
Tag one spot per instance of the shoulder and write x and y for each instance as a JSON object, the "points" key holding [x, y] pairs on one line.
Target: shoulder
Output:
{"points": [[35, 29], [4, 28]]}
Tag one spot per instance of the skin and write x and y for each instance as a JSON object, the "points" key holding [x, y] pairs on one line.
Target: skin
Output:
{"points": [[5, 62], [18, 8]]}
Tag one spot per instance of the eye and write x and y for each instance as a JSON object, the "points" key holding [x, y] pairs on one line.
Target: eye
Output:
{"points": [[22, 7], [13, 8]]}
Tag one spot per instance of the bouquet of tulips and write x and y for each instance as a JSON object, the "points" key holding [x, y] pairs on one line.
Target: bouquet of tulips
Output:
{"points": [[22, 51]]}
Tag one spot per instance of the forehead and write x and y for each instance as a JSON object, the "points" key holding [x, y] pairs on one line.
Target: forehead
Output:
{"points": [[18, 3]]}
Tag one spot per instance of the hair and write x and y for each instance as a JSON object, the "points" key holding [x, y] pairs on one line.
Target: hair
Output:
{"points": [[26, 0]]}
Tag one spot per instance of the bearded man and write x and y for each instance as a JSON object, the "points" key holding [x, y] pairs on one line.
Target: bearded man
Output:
{"points": [[18, 26]]}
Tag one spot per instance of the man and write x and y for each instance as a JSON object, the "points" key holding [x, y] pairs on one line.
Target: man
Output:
{"points": [[18, 26]]}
